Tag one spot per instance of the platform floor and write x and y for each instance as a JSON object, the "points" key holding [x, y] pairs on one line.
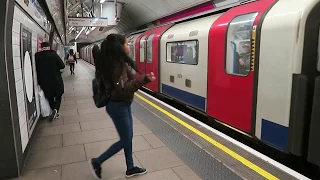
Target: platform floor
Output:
{"points": [[62, 148], [169, 145]]}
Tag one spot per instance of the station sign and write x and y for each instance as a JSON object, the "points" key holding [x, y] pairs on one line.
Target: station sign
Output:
{"points": [[229, 3], [90, 22]]}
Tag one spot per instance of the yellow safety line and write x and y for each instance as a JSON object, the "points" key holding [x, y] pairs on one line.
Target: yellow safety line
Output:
{"points": [[233, 154]]}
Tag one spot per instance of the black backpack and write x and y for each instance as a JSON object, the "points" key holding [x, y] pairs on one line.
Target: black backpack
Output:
{"points": [[101, 91]]}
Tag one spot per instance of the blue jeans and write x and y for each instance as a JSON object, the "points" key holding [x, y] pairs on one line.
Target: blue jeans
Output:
{"points": [[121, 115]]}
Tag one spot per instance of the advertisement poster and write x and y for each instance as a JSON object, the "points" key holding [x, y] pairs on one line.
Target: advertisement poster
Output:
{"points": [[28, 77], [40, 40]]}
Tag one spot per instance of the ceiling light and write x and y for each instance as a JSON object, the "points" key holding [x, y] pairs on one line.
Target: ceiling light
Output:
{"points": [[79, 33], [102, 1]]}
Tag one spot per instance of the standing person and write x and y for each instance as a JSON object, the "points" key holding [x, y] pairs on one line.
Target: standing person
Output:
{"points": [[244, 60], [72, 59], [95, 55], [115, 66], [48, 65]]}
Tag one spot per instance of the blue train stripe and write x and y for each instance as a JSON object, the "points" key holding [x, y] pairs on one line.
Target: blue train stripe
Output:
{"points": [[275, 134], [189, 98]]}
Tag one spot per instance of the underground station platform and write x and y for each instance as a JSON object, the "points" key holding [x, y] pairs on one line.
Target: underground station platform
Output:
{"points": [[170, 144]]}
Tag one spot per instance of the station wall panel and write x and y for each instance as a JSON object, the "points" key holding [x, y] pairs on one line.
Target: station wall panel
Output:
{"points": [[21, 18]]}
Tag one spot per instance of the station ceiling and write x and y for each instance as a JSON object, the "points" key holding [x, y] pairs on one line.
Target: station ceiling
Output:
{"points": [[134, 12]]}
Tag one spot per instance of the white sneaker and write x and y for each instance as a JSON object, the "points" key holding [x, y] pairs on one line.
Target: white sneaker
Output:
{"points": [[53, 115], [57, 116]]}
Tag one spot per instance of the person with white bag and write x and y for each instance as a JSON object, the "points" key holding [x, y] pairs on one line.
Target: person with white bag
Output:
{"points": [[44, 104], [48, 65]]}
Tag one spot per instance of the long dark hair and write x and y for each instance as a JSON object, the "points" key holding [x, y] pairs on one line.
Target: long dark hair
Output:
{"points": [[95, 54], [112, 56], [71, 53]]}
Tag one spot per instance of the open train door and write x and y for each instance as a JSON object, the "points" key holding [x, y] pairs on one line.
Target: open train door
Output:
{"points": [[311, 69], [231, 65]]}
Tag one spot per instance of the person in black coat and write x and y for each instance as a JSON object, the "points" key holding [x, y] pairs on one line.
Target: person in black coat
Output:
{"points": [[48, 65]]}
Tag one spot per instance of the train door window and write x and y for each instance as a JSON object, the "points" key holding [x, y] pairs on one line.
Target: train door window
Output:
{"points": [[238, 47], [149, 48], [142, 48], [183, 52], [131, 46], [318, 65]]}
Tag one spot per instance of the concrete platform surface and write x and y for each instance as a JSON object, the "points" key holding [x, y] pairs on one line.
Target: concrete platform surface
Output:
{"points": [[61, 149]]}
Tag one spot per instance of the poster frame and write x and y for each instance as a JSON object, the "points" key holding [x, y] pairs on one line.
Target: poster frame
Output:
{"points": [[30, 126]]}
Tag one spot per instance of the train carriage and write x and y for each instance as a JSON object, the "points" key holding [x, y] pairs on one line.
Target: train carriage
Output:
{"points": [[90, 54], [86, 52]]}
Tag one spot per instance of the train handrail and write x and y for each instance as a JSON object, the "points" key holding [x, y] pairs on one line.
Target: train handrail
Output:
{"points": [[234, 46]]}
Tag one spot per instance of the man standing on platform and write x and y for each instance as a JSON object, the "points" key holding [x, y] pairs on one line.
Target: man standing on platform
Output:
{"points": [[48, 65]]}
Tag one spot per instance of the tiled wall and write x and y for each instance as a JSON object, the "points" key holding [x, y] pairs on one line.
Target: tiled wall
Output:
{"points": [[21, 18]]}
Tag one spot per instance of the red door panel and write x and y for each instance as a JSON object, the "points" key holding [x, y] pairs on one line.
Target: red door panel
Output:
{"points": [[151, 58], [230, 80], [153, 66]]}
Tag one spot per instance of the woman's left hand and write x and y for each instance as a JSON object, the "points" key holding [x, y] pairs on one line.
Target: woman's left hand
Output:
{"points": [[151, 77]]}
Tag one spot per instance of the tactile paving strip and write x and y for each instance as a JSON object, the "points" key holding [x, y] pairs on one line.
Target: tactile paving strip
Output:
{"points": [[217, 153], [207, 167]]}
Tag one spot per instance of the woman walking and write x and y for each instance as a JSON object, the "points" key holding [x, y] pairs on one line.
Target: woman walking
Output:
{"points": [[72, 60], [115, 66]]}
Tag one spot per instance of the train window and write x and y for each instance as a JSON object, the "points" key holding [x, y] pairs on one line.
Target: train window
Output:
{"points": [[238, 59], [149, 48], [142, 48], [183, 52], [131, 46], [318, 65]]}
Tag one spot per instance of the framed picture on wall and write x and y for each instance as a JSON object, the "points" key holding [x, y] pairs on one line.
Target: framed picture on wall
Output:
{"points": [[28, 77]]}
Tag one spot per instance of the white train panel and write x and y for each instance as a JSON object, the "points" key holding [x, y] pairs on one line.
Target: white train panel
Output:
{"points": [[281, 49], [184, 61]]}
